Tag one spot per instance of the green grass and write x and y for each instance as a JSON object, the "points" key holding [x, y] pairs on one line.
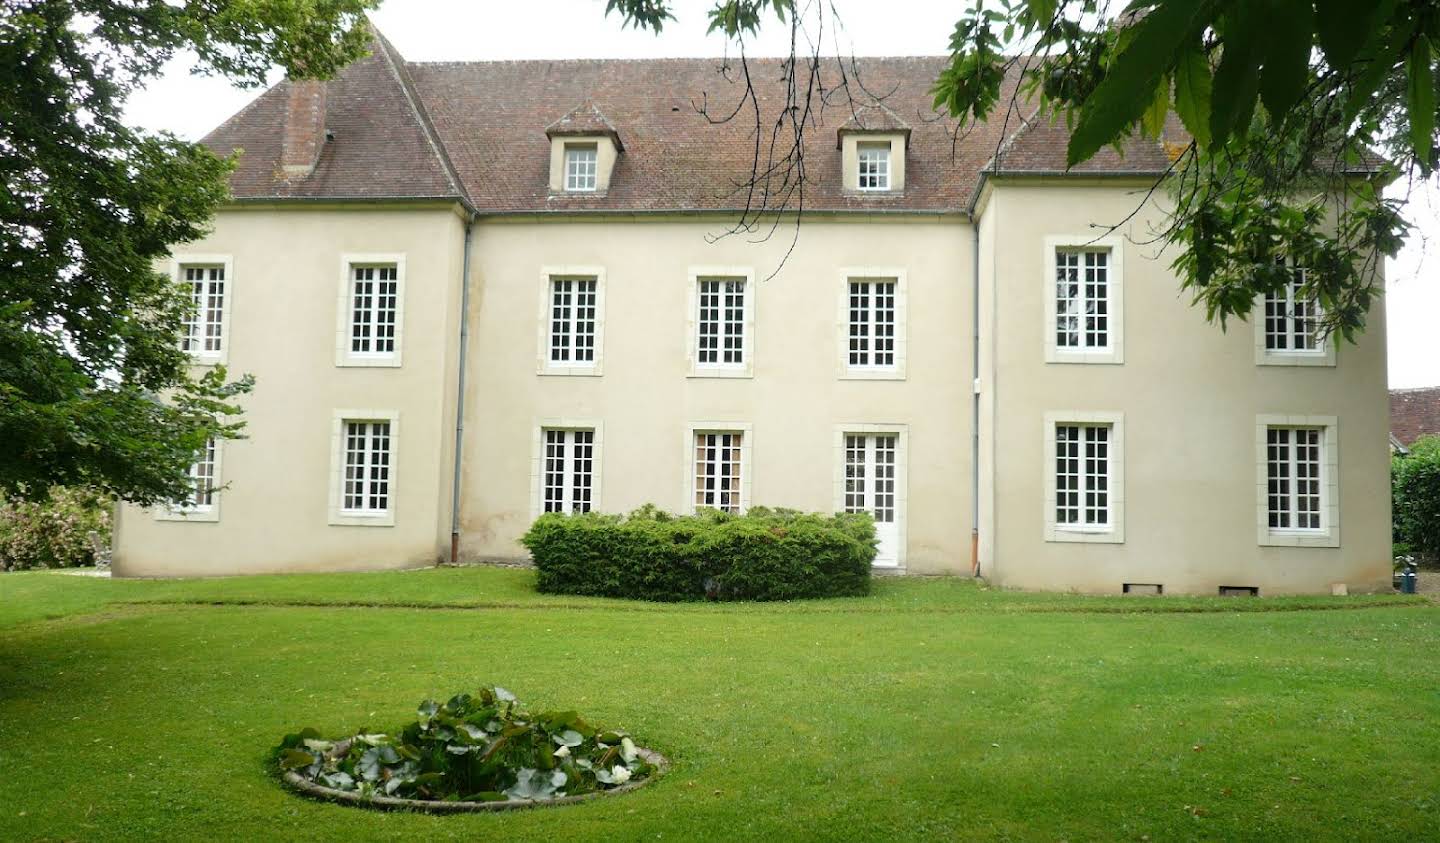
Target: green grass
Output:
{"points": [[932, 709]]}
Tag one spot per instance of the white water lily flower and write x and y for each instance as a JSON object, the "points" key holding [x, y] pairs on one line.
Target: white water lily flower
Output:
{"points": [[562, 752], [620, 774]]}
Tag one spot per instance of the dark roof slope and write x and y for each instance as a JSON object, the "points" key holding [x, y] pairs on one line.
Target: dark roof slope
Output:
{"points": [[1414, 413], [492, 117], [477, 131], [382, 146]]}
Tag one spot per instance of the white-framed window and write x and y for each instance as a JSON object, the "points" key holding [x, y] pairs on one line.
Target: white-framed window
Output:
{"points": [[874, 162], [581, 167], [572, 320], [870, 477], [1084, 476], [1287, 326], [1084, 301], [207, 282], [722, 322], [371, 310], [871, 322], [568, 469], [718, 454], [1296, 468], [363, 467], [203, 501]]}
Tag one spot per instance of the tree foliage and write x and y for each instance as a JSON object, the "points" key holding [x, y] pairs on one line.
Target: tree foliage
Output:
{"points": [[94, 389], [1415, 497], [1296, 114]]}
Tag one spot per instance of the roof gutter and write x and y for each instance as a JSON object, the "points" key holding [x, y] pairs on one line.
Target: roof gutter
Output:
{"points": [[975, 400], [460, 390]]}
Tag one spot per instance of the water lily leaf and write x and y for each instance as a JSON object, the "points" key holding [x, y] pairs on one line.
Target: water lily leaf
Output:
{"points": [[339, 781], [427, 709], [318, 746], [503, 695], [628, 750], [569, 737], [295, 759]]}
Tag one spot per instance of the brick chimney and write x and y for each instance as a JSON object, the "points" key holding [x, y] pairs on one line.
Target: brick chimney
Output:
{"points": [[304, 128]]}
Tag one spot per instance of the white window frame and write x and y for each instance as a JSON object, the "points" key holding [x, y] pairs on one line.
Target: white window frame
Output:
{"points": [[884, 175], [185, 511], [896, 371], [1264, 356], [344, 357], [178, 265], [1329, 533], [1114, 532], [569, 182], [902, 480], [747, 446], [1114, 352], [745, 369], [543, 363], [537, 459], [347, 518]]}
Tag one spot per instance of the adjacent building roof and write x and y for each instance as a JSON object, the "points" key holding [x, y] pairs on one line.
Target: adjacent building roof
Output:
{"points": [[1414, 413], [477, 132]]}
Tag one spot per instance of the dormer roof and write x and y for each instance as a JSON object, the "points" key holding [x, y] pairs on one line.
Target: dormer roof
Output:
{"points": [[585, 119], [872, 119]]}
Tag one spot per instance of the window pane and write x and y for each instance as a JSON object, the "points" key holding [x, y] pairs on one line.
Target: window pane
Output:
{"points": [[720, 322], [717, 471]]}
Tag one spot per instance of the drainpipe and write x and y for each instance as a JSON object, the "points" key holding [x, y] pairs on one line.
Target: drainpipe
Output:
{"points": [[975, 400], [460, 390]]}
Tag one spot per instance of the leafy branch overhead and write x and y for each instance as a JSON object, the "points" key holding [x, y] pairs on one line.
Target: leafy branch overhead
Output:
{"points": [[94, 388], [1295, 114]]}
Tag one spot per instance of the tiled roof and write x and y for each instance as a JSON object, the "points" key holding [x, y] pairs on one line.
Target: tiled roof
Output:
{"points": [[478, 131], [584, 119], [1414, 413], [380, 145]]}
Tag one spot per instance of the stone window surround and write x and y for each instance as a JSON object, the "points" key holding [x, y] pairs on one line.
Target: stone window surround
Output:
{"points": [[337, 517], [537, 458], [177, 264], [1115, 533], [897, 372], [543, 364], [1329, 535], [1115, 282], [344, 358]]}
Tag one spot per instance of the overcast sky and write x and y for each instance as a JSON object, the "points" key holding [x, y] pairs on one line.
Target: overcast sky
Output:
{"points": [[465, 30]]}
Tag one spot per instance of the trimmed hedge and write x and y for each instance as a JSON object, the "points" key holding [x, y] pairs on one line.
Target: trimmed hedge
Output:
{"points": [[1415, 495], [766, 554]]}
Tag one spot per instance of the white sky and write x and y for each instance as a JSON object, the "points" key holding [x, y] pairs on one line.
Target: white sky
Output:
{"points": [[465, 30]]}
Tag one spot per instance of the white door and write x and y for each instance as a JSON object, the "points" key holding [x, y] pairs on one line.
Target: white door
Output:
{"points": [[870, 487]]}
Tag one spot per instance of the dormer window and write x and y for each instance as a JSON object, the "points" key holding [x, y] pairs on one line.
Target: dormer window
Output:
{"points": [[581, 167], [583, 149], [874, 161]]}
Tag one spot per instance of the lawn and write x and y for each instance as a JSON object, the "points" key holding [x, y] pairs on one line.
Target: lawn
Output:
{"points": [[933, 709]]}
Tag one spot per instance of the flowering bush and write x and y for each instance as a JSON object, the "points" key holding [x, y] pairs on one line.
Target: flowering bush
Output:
{"points": [[482, 748], [54, 532]]}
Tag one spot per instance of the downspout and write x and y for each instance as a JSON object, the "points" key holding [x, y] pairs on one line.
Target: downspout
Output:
{"points": [[975, 399], [460, 390]]}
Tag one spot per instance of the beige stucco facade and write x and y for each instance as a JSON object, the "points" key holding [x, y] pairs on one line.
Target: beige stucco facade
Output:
{"points": [[273, 513], [1184, 397], [1189, 396]]}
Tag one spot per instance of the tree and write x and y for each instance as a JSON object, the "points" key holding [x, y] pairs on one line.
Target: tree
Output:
{"points": [[94, 388], [1298, 113]]}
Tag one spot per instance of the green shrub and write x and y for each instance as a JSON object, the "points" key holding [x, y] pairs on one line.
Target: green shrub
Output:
{"points": [[481, 748], [54, 532], [766, 554], [1415, 497]]}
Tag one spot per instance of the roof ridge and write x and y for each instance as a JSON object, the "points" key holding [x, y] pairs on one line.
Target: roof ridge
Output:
{"points": [[399, 70], [656, 60]]}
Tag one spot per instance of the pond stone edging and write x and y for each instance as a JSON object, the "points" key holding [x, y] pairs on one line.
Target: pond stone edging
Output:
{"points": [[309, 788]]}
